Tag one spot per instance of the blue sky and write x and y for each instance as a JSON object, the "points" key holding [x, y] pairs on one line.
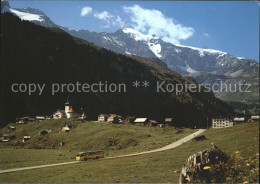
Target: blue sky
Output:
{"points": [[228, 26]]}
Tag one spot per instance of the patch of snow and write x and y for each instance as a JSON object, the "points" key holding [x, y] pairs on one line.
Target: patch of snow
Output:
{"points": [[177, 50], [155, 48], [27, 16], [241, 58], [203, 51], [188, 69], [117, 42], [108, 38], [221, 55], [139, 36], [128, 53]]}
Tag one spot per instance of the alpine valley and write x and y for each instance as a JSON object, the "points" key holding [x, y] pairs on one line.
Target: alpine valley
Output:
{"points": [[156, 58], [206, 66]]}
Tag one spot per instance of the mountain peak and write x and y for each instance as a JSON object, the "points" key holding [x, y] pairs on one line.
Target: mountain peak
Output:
{"points": [[138, 36], [29, 14]]}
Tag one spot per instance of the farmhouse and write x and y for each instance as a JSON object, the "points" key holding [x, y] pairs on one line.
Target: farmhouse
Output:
{"points": [[10, 128], [238, 120], [22, 120], [40, 118], [141, 121], [221, 123], [255, 118], [6, 138], [113, 118], [168, 121], [103, 117], [59, 114]]}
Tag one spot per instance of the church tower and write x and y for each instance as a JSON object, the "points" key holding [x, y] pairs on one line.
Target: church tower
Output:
{"points": [[67, 107]]}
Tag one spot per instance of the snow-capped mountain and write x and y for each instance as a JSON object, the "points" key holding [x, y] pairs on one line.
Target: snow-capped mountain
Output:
{"points": [[207, 66], [30, 14], [185, 60]]}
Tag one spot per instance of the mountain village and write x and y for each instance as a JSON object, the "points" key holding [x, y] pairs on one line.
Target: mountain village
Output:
{"points": [[69, 113]]}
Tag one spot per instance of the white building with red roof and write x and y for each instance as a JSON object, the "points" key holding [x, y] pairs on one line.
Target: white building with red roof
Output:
{"points": [[67, 113]]}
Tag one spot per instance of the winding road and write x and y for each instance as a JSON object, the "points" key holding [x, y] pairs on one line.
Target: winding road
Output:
{"points": [[170, 146]]}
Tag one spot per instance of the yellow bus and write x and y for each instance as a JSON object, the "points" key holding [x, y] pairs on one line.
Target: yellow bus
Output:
{"points": [[83, 156]]}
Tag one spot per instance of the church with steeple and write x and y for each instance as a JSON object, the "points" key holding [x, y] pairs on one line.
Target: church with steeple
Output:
{"points": [[68, 112]]}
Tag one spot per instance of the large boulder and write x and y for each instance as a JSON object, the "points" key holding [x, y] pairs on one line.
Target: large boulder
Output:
{"points": [[198, 167]]}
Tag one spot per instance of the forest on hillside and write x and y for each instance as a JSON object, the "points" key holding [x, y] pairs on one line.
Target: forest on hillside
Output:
{"points": [[35, 54]]}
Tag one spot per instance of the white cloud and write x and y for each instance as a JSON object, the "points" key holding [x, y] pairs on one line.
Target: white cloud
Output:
{"points": [[206, 35], [151, 21], [111, 20], [103, 15], [85, 11], [118, 22]]}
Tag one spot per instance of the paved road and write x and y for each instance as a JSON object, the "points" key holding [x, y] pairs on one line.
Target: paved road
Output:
{"points": [[170, 146]]}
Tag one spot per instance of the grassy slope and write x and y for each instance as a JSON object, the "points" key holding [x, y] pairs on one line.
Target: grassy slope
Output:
{"points": [[159, 167], [83, 137]]}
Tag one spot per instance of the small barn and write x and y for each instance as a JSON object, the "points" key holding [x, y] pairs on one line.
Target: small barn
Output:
{"points": [[141, 121], [152, 123], [10, 128], [26, 138], [129, 120], [5, 138], [22, 120], [5, 135], [40, 118], [103, 117], [65, 129], [168, 121], [238, 120], [255, 118], [32, 119]]}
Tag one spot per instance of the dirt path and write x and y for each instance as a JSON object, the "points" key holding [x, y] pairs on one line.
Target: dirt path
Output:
{"points": [[170, 146]]}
